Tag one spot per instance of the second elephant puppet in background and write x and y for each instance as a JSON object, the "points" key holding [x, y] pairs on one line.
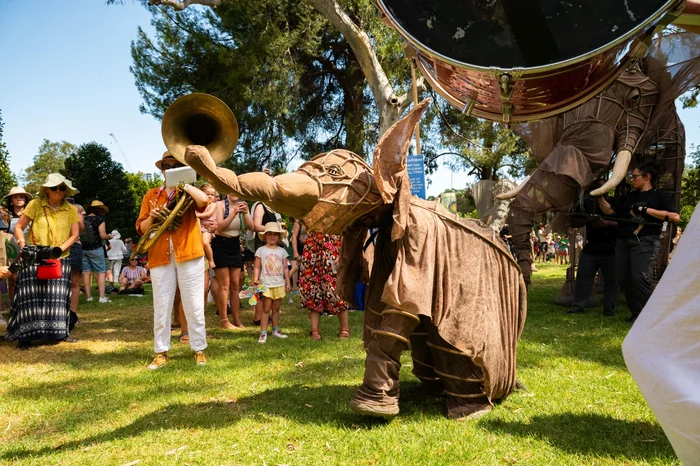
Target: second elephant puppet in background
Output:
{"points": [[445, 287], [636, 115]]}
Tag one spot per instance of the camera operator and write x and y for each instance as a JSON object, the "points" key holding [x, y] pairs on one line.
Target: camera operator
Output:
{"points": [[40, 308], [638, 243], [598, 253]]}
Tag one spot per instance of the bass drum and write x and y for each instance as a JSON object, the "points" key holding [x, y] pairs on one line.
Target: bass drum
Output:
{"points": [[523, 60]]}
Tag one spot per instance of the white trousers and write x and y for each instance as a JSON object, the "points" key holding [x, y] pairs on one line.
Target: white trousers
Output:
{"points": [[189, 277], [116, 266]]}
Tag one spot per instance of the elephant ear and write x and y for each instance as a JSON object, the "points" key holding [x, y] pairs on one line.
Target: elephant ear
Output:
{"points": [[390, 171]]}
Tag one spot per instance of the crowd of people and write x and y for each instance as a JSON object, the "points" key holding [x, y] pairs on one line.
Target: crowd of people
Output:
{"points": [[223, 242]]}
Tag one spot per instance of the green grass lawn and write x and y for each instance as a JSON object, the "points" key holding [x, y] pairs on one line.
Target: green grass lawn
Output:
{"points": [[286, 402]]}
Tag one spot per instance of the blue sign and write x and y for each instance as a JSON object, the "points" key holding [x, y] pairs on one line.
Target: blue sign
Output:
{"points": [[416, 173]]}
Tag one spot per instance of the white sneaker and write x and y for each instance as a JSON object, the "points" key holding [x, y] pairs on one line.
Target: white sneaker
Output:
{"points": [[90, 299], [279, 334], [105, 300], [262, 338]]}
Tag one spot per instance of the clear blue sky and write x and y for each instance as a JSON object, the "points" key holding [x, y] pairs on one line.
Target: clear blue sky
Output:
{"points": [[65, 76]]}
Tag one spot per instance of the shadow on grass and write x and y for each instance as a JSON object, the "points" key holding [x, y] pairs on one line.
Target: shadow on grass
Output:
{"points": [[591, 434], [324, 406]]}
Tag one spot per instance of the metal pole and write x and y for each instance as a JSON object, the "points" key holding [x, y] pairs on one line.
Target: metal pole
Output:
{"points": [[415, 102]]}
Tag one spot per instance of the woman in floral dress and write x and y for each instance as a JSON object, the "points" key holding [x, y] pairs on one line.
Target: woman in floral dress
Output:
{"points": [[317, 282]]}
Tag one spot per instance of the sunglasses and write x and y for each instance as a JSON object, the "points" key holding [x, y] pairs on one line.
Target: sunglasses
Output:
{"points": [[167, 166], [58, 188], [634, 175]]}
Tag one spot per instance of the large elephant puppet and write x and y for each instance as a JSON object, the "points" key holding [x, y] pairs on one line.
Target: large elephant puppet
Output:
{"points": [[634, 116], [446, 288]]}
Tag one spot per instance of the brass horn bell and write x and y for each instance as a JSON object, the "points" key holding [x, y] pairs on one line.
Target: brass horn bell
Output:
{"points": [[203, 120]]}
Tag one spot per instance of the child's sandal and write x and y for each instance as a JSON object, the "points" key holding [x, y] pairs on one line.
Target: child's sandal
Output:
{"points": [[314, 334], [184, 338], [344, 333]]}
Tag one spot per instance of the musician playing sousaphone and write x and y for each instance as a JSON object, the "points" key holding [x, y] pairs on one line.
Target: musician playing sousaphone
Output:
{"points": [[176, 261]]}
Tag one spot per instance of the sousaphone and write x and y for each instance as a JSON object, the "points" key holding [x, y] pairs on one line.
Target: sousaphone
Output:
{"points": [[195, 119]]}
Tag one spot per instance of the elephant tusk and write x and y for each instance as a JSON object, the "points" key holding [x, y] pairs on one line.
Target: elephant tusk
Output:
{"points": [[513, 192], [619, 171]]}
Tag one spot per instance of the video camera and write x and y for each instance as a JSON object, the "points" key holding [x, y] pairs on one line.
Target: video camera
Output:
{"points": [[34, 255]]}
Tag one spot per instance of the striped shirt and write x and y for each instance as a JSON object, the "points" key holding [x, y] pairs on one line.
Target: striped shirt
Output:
{"points": [[133, 274]]}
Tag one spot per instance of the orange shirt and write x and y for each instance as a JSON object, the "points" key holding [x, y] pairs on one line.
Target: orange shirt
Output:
{"points": [[187, 239]]}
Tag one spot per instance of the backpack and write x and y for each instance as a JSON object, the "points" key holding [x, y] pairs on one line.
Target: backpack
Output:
{"points": [[90, 237], [252, 241]]}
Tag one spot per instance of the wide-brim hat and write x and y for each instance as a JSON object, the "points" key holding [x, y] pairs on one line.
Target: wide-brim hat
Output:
{"points": [[115, 234], [19, 190], [99, 205], [56, 179], [274, 227], [166, 155]]}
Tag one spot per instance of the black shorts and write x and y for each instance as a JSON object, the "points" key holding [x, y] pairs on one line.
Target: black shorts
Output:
{"points": [[248, 255], [544, 247], [76, 257], [226, 252]]}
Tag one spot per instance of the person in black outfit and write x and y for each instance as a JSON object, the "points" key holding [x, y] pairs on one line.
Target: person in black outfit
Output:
{"points": [[598, 253], [638, 244]]}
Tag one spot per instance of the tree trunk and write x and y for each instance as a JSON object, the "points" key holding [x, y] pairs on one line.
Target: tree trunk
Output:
{"points": [[354, 108]]}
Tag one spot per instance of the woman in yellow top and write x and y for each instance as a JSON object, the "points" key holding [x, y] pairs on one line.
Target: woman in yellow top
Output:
{"points": [[40, 308]]}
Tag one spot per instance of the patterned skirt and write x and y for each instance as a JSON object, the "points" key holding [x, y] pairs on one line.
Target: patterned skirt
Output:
{"points": [[317, 275], [40, 308]]}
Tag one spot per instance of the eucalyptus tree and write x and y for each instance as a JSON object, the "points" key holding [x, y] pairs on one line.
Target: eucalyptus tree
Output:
{"points": [[291, 76]]}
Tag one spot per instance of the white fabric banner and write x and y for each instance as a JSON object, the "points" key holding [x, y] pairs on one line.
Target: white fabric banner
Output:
{"points": [[662, 350]]}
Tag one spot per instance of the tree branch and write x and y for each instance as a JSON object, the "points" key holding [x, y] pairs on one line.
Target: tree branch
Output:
{"points": [[406, 99], [181, 5]]}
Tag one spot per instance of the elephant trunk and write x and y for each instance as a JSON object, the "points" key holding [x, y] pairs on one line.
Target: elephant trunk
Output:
{"points": [[294, 194], [619, 171], [513, 192]]}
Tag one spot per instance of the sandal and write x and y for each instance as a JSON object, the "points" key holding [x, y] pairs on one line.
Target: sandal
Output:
{"points": [[184, 338], [315, 335], [344, 333]]}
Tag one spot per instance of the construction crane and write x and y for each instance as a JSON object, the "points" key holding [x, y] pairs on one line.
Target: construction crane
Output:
{"points": [[122, 152]]}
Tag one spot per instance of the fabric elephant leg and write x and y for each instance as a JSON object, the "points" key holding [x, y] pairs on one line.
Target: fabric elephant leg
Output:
{"points": [[423, 365], [379, 393], [520, 226], [462, 378]]}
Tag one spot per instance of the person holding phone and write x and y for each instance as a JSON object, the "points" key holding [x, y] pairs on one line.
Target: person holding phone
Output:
{"points": [[232, 218]]}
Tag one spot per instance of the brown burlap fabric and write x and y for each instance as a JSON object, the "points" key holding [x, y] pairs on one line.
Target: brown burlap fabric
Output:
{"points": [[454, 273], [459, 274]]}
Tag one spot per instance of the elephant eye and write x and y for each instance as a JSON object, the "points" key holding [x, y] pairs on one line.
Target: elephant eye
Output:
{"points": [[336, 171]]}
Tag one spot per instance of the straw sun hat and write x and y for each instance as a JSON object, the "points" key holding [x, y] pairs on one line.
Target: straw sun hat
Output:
{"points": [[274, 227], [19, 190], [56, 179], [99, 205]]}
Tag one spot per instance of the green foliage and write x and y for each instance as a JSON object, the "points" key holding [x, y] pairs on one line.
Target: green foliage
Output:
{"points": [[7, 178], [690, 192], [97, 176], [137, 188], [291, 79], [50, 159], [486, 149]]}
